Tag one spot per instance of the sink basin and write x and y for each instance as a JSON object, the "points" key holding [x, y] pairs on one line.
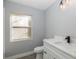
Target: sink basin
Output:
{"points": [[67, 46]]}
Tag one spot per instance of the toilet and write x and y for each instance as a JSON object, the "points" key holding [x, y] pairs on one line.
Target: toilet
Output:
{"points": [[39, 52]]}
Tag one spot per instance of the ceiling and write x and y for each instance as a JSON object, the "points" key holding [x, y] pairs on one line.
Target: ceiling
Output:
{"points": [[39, 4]]}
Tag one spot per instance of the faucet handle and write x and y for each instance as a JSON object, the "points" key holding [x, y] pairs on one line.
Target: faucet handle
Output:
{"points": [[68, 37]]}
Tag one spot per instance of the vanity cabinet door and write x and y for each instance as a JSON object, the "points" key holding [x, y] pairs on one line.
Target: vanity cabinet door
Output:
{"points": [[48, 54]]}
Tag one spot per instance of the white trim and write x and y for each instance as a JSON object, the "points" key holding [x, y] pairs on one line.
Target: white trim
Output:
{"points": [[20, 55]]}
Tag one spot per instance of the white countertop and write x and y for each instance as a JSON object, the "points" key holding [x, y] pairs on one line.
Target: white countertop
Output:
{"points": [[63, 46]]}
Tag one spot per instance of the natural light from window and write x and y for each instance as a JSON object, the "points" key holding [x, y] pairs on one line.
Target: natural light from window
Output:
{"points": [[20, 27]]}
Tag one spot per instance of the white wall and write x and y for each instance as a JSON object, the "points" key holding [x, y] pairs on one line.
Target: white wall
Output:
{"points": [[13, 48], [61, 21]]}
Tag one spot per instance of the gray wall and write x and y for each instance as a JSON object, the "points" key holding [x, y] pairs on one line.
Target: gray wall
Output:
{"points": [[61, 21], [12, 48]]}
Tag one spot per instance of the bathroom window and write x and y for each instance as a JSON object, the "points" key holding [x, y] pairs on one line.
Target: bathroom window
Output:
{"points": [[20, 27]]}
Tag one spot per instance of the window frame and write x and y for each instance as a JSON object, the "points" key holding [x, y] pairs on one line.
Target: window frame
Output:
{"points": [[15, 40]]}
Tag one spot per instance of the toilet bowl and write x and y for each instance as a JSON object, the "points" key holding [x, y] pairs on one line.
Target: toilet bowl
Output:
{"points": [[39, 52]]}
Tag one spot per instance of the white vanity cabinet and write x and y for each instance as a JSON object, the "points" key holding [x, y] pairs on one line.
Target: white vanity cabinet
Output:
{"points": [[50, 52]]}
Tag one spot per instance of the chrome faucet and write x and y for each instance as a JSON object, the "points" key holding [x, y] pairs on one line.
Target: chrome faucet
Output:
{"points": [[68, 39]]}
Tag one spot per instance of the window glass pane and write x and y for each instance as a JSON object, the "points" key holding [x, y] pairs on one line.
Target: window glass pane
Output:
{"points": [[21, 20], [19, 33], [20, 27]]}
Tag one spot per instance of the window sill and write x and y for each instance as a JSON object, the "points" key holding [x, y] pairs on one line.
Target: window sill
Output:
{"points": [[16, 40]]}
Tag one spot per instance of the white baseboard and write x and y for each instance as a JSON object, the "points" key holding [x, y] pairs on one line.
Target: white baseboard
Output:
{"points": [[20, 55]]}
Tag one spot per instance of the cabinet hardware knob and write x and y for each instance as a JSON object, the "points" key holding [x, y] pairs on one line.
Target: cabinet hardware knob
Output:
{"points": [[45, 52]]}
